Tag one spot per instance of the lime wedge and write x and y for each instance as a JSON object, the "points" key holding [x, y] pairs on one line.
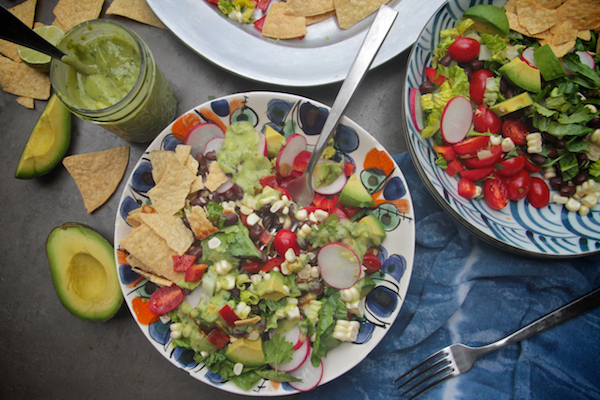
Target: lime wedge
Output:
{"points": [[35, 59]]}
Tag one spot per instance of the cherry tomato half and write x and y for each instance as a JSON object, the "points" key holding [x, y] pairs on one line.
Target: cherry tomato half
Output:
{"points": [[516, 130], [484, 120], [477, 174], [470, 146], [519, 185], [539, 193], [467, 188], [477, 84], [446, 151], [486, 162], [511, 167], [371, 263], [495, 192], [464, 49], [272, 263], [165, 299]]}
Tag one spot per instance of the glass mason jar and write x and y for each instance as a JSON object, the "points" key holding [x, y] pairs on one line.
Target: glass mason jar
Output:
{"points": [[138, 115]]}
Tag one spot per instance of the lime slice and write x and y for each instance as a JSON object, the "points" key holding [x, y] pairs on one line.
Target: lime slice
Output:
{"points": [[35, 59]]}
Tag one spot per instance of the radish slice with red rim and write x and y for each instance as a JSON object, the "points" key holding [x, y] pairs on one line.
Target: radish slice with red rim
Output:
{"points": [[224, 187], [586, 59], [285, 159], [309, 375], [201, 135], [416, 111], [527, 57], [213, 144], [298, 358], [339, 265], [294, 336], [456, 119], [334, 187], [262, 145]]}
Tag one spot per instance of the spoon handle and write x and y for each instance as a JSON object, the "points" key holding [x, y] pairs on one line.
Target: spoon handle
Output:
{"points": [[366, 54], [14, 30]]}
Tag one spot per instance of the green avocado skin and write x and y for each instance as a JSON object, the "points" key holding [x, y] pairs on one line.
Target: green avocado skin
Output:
{"points": [[548, 64]]}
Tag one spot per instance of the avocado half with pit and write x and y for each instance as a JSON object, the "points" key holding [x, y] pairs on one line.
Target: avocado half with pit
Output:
{"points": [[84, 273]]}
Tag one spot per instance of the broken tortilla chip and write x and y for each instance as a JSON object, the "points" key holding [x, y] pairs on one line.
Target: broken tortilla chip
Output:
{"points": [[171, 228], [169, 194], [350, 12], [199, 222], [74, 12], [26, 13], [215, 178], [303, 8], [318, 18], [26, 102], [534, 18], [98, 174], [21, 80], [137, 10], [279, 25]]}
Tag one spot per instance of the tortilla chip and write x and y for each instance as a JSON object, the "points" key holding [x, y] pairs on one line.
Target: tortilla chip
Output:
{"points": [[182, 152], [153, 253], [215, 177], [21, 80], [192, 164], [534, 18], [584, 14], [98, 174], [199, 222], [318, 18], [303, 8], [169, 194], [349, 12], [511, 6], [151, 277], [585, 35], [551, 4], [170, 228], [59, 24], [279, 25], [565, 33], [74, 12], [137, 10], [26, 102], [562, 49], [513, 23], [26, 13], [197, 185]]}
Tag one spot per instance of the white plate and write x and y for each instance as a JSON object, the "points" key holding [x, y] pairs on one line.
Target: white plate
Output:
{"points": [[551, 232], [323, 56], [382, 177]]}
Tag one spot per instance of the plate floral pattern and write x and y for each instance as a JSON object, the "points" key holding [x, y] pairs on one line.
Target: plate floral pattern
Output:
{"points": [[551, 232], [287, 114]]}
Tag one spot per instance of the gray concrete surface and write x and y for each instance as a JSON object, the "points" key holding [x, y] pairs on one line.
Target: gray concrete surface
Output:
{"points": [[45, 352]]}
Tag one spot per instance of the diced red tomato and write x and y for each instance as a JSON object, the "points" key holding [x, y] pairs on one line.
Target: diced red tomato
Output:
{"points": [[340, 213], [372, 263], [453, 167], [531, 167], [477, 84], [252, 266], [467, 188], [495, 192], [349, 168], [486, 162], [263, 4], [285, 239], [484, 120], [182, 263], [325, 203], [165, 299], [284, 191], [259, 23], [195, 272], [464, 49], [301, 161], [350, 211], [269, 180], [229, 315], [213, 1], [243, 219], [511, 167], [272, 263], [539, 193], [431, 73], [217, 338], [470, 146], [477, 174], [446, 151], [265, 237], [516, 130], [519, 185]]}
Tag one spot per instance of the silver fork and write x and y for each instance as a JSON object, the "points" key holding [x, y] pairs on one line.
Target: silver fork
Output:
{"points": [[458, 358]]}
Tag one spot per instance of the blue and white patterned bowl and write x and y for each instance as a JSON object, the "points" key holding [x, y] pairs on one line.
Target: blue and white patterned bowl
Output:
{"points": [[551, 232], [377, 171]]}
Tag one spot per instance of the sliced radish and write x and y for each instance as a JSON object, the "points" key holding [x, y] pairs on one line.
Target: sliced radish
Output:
{"points": [[285, 159], [310, 376], [298, 358], [224, 187], [201, 135], [586, 59], [335, 186], [294, 336], [416, 111], [339, 265], [213, 144], [527, 57], [457, 118], [262, 145]]}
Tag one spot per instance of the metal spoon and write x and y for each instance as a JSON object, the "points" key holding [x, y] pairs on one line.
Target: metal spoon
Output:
{"points": [[301, 189], [14, 30]]}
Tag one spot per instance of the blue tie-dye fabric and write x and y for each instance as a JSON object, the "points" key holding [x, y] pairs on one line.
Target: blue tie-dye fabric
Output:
{"points": [[465, 290]]}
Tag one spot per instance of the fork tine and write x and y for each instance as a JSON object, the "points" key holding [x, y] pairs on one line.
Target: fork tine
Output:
{"points": [[432, 384], [439, 366], [419, 365]]}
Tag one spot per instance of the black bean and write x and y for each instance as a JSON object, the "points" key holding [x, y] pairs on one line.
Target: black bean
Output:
{"points": [[217, 198], [230, 195], [238, 191], [580, 178], [203, 170], [211, 155], [556, 183], [446, 60], [186, 222], [559, 144], [426, 87], [538, 159], [239, 332], [199, 201], [582, 158], [476, 64], [552, 152], [594, 123], [231, 218], [567, 190], [195, 251], [264, 210], [316, 287], [255, 231], [267, 220], [200, 158], [548, 137], [503, 86], [277, 223]]}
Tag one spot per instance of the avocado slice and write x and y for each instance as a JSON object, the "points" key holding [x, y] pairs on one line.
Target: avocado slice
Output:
{"points": [[513, 104], [48, 141], [275, 141], [82, 265], [375, 225], [522, 75], [247, 352], [488, 19], [354, 194], [272, 288], [548, 64]]}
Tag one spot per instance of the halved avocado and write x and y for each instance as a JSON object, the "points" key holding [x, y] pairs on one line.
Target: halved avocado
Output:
{"points": [[84, 273], [48, 141]]}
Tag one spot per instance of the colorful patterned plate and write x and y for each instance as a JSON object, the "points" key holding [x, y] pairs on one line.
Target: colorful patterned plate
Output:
{"points": [[551, 232], [379, 174]]}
